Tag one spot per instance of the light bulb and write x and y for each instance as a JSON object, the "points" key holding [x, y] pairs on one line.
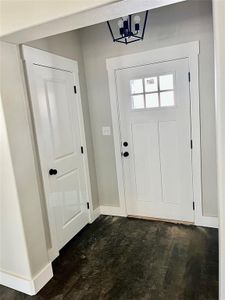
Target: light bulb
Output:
{"points": [[137, 19], [120, 23]]}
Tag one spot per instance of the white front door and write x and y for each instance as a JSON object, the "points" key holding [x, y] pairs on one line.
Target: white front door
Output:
{"points": [[154, 111], [58, 126]]}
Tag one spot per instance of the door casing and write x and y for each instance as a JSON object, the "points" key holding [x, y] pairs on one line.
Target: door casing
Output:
{"points": [[191, 52], [35, 56]]}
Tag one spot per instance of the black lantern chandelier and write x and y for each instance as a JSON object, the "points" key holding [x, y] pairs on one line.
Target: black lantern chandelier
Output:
{"points": [[129, 29]]}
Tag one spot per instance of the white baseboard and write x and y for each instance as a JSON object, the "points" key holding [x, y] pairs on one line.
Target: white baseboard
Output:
{"points": [[112, 211], [96, 214], [200, 221], [212, 222], [24, 285], [52, 254], [204, 221]]}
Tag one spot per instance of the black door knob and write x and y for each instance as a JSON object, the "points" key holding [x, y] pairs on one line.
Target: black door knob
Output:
{"points": [[125, 154], [52, 172], [125, 144]]}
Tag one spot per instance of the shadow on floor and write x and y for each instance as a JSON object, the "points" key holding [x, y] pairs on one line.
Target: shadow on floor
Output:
{"points": [[121, 258]]}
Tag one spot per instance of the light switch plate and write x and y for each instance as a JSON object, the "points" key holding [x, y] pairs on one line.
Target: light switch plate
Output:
{"points": [[106, 130]]}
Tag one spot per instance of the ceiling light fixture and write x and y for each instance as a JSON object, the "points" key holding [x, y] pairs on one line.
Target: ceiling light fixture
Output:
{"points": [[129, 29]]}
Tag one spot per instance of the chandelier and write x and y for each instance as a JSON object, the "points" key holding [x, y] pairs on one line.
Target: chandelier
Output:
{"points": [[130, 29]]}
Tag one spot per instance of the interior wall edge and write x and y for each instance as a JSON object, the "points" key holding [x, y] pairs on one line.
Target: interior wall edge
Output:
{"points": [[20, 142], [219, 48]]}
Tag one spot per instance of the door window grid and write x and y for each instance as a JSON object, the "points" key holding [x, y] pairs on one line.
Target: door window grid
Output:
{"points": [[162, 92]]}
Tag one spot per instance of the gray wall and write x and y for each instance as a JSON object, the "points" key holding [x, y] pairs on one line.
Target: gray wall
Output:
{"points": [[174, 24], [23, 241], [68, 45]]}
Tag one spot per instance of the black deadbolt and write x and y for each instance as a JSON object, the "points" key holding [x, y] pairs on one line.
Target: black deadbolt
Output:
{"points": [[125, 144], [52, 172], [125, 154]]}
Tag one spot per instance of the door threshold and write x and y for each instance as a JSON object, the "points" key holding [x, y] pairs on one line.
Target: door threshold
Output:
{"points": [[160, 220]]}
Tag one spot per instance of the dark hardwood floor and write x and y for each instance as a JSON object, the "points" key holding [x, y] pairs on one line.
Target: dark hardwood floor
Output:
{"points": [[120, 258]]}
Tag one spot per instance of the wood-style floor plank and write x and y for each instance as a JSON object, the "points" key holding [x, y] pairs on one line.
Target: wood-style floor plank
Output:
{"points": [[121, 258]]}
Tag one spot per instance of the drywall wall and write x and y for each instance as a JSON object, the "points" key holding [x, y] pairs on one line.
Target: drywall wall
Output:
{"points": [[13, 251], [14, 102], [174, 24], [219, 37], [68, 45]]}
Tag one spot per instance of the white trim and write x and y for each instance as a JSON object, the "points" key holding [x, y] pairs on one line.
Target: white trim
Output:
{"points": [[153, 56], [27, 286], [85, 154], [118, 212], [40, 57], [112, 211], [207, 221], [33, 56], [96, 214], [187, 50]]}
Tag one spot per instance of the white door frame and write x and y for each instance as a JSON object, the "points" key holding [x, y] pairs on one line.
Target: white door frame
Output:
{"points": [[191, 52], [33, 56]]}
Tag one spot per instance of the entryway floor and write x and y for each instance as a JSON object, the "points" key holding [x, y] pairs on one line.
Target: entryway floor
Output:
{"points": [[121, 258]]}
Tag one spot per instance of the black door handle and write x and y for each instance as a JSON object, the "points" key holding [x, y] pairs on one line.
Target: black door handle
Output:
{"points": [[52, 172], [125, 154]]}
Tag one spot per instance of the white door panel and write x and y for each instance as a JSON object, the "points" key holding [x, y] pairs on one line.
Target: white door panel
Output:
{"points": [[169, 161], [147, 182], [154, 110], [56, 115], [60, 118]]}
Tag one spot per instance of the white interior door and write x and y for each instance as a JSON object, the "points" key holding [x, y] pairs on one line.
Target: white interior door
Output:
{"points": [[154, 110], [58, 127]]}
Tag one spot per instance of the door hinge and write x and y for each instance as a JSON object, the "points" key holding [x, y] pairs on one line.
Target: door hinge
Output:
{"points": [[189, 76], [88, 205], [193, 205], [82, 149], [191, 144], [75, 89]]}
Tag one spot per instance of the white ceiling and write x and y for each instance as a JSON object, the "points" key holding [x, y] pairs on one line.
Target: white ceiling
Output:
{"points": [[20, 14], [80, 19]]}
